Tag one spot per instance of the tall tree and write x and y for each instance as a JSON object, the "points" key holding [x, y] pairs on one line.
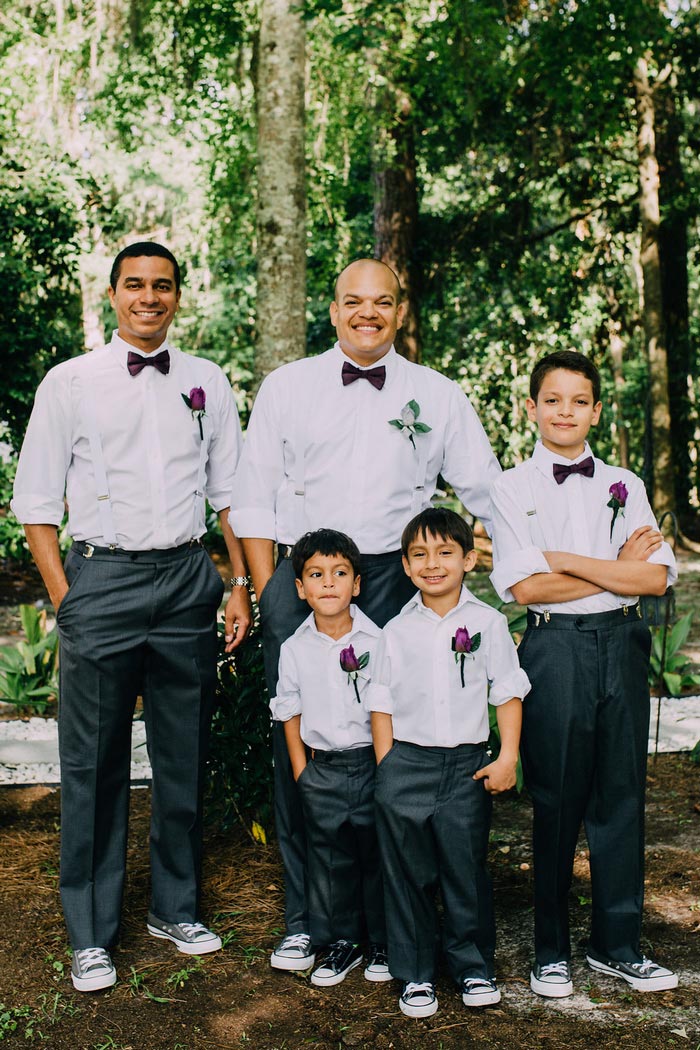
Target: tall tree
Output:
{"points": [[281, 228]]}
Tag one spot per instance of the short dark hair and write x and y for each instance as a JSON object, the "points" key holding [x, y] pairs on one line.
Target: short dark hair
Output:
{"points": [[134, 251], [570, 361], [440, 523], [327, 542]]}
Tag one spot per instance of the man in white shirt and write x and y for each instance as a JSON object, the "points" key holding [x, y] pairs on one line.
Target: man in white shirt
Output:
{"points": [[576, 541], [133, 436], [353, 439]]}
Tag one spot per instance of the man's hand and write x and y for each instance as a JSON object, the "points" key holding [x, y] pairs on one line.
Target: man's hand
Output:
{"points": [[643, 542], [238, 618], [498, 776]]}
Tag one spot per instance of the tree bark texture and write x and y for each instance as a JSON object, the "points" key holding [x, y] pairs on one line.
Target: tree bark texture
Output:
{"points": [[661, 466], [396, 206], [281, 228]]}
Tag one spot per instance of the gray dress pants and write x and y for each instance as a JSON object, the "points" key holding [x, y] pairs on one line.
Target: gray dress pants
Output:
{"points": [[141, 623]]}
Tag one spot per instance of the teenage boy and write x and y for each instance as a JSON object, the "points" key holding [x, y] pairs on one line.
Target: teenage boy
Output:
{"points": [[576, 541], [442, 660], [325, 668]]}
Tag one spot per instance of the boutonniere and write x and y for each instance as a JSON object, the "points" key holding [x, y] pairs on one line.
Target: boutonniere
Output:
{"points": [[196, 403], [463, 645], [408, 423], [618, 499], [352, 665]]}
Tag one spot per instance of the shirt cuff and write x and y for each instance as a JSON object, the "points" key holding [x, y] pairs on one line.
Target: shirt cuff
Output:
{"points": [[378, 698], [38, 510], [253, 522], [514, 684], [528, 561], [285, 707]]}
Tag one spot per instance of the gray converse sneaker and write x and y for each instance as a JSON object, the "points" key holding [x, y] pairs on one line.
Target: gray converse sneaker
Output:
{"points": [[191, 938], [644, 976], [92, 969], [552, 980], [293, 953]]}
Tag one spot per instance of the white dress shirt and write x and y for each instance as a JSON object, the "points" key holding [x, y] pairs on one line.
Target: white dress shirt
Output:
{"points": [[418, 680], [313, 684], [150, 441], [532, 514], [360, 473]]}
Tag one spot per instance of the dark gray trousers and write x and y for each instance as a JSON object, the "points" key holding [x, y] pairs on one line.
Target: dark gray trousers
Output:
{"points": [[141, 623], [384, 589], [433, 824], [346, 897], [584, 750]]}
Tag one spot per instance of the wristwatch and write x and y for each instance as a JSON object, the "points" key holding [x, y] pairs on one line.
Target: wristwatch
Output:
{"points": [[240, 581]]}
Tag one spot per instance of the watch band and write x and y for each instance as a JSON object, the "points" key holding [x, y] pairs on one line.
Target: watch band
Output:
{"points": [[240, 581]]}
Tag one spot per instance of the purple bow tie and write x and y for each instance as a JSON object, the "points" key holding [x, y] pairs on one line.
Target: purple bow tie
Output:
{"points": [[376, 376], [135, 363], [561, 471]]}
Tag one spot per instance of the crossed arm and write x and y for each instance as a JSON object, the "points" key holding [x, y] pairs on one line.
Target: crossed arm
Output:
{"points": [[575, 576]]}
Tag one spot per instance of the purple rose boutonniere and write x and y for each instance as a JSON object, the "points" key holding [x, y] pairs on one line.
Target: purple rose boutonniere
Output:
{"points": [[464, 645], [408, 423], [618, 499], [196, 402], [352, 665]]}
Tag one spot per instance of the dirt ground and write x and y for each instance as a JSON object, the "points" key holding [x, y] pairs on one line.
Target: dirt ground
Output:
{"points": [[168, 1001]]}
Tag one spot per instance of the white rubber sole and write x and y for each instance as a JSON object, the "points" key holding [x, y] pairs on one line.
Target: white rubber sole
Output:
{"points": [[418, 1011], [281, 962], [482, 998], [94, 984], [550, 990], [381, 975]]}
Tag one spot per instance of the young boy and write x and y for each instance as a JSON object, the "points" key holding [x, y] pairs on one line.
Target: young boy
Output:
{"points": [[324, 671], [575, 540], [442, 660]]}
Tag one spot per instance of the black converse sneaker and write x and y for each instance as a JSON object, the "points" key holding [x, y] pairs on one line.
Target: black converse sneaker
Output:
{"points": [[553, 980], [377, 968], [418, 999], [644, 976], [340, 959]]}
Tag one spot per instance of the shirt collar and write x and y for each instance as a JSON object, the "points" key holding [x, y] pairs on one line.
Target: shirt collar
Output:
{"points": [[360, 622], [416, 603], [544, 459], [122, 349]]}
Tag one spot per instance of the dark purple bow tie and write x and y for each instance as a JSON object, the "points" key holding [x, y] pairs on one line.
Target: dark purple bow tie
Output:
{"points": [[135, 363], [376, 376], [561, 471]]}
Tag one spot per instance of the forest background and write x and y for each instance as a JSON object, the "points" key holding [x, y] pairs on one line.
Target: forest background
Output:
{"points": [[529, 167]]}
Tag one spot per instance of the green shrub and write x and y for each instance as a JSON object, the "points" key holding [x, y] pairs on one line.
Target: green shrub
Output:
{"points": [[29, 672]]}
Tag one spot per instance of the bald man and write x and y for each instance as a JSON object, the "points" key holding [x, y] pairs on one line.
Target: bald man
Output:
{"points": [[352, 440]]}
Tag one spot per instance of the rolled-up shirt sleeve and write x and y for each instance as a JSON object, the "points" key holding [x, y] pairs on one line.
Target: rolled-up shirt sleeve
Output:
{"points": [[638, 512], [506, 677], [287, 701], [514, 556], [377, 695], [40, 482], [260, 470], [469, 464]]}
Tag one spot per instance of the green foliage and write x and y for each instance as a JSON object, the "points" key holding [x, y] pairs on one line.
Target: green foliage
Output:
{"points": [[675, 672], [12, 541], [29, 672], [240, 758], [14, 1017]]}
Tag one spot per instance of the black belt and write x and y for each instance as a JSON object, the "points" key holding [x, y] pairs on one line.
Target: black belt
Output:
{"points": [[352, 756], [284, 550], [91, 550], [584, 621]]}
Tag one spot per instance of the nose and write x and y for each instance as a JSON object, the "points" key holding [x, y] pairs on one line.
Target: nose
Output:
{"points": [[368, 309]]}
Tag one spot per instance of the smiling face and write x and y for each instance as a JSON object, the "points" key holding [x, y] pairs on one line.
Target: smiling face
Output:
{"points": [[145, 300], [367, 311], [328, 583], [564, 412], [437, 566]]}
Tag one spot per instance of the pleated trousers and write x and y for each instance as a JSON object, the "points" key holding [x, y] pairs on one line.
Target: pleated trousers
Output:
{"points": [[384, 590], [433, 824], [141, 623], [584, 750]]}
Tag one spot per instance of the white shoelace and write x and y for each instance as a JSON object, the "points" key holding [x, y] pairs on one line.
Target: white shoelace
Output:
{"points": [[558, 969], [89, 957], [295, 940], [191, 929], [416, 988]]}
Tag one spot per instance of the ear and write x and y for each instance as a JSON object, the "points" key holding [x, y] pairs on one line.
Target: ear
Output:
{"points": [[401, 312], [356, 587], [111, 293], [333, 310], [470, 560], [531, 407], [300, 590], [597, 409], [406, 567], [177, 299]]}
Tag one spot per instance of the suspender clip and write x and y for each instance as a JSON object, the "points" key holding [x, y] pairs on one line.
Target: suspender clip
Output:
{"points": [[546, 615], [298, 492], [89, 550], [537, 619], [625, 610]]}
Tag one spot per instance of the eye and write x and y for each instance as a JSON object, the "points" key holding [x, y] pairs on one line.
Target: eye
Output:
{"points": [[340, 572]]}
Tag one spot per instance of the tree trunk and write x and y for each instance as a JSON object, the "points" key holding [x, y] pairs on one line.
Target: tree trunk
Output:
{"points": [[281, 248], [660, 469], [673, 245], [396, 207]]}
